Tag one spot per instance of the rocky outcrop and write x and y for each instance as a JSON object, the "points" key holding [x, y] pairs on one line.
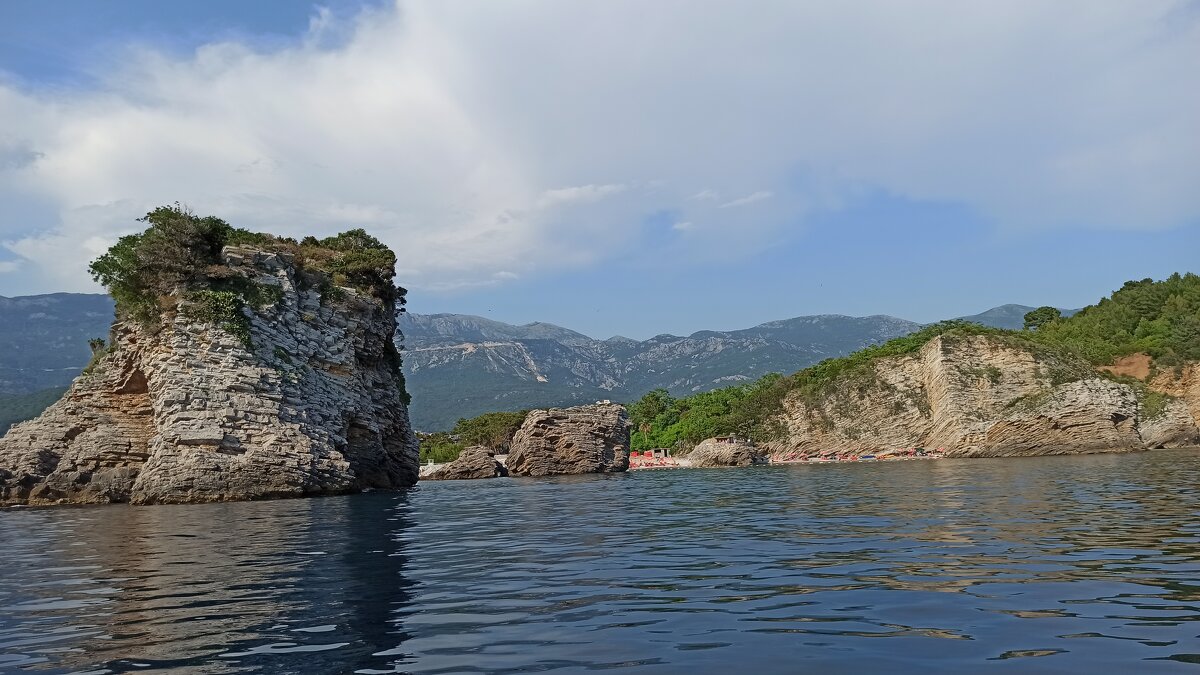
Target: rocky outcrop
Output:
{"points": [[713, 453], [978, 396], [303, 397], [474, 462], [1182, 383], [1172, 426], [583, 439]]}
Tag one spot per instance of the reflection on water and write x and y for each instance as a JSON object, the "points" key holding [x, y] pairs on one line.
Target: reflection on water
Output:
{"points": [[1056, 564]]}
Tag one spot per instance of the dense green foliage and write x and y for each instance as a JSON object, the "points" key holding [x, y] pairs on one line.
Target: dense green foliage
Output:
{"points": [[176, 252], [1159, 318], [20, 407], [494, 430], [180, 254], [662, 421], [1041, 316], [439, 447]]}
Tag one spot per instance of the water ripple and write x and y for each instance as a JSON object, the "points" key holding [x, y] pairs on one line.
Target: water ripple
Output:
{"points": [[1061, 564]]}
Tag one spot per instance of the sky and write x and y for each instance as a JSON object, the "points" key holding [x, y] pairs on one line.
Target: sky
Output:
{"points": [[618, 166]]}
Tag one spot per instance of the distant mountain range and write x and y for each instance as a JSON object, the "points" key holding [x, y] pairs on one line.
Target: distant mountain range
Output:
{"points": [[460, 366]]}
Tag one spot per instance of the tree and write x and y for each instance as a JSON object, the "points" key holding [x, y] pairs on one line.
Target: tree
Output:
{"points": [[494, 430], [1041, 316]]}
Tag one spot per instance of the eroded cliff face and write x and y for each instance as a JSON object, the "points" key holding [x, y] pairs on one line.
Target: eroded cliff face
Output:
{"points": [[981, 397], [191, 412]]}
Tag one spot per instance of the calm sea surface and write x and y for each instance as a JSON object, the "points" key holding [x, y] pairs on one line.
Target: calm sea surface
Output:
{"points": [[1059, 564]]}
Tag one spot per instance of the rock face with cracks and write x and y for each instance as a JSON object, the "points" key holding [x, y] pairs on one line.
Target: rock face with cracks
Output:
{"points": [[583, 439], [978, 396], [716, 453], [307, 401]]}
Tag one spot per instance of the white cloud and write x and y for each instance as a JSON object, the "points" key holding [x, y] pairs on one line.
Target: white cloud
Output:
{"points": [[583, 193], [7, 266], [450, 128], [683, 225], [748, 199]]}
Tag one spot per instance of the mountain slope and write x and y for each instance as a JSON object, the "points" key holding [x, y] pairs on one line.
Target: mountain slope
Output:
{"points": [[1011, 317], [45, 338], [461, 366]]}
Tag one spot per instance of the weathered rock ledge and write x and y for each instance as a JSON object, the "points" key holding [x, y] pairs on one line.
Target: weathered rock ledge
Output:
{"points": [[978, 396], [188, 412]]}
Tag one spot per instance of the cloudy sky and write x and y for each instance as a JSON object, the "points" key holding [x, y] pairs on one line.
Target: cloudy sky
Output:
{"points": [[621, 166]]}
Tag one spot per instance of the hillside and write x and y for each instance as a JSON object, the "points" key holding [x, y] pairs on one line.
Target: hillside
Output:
{"points": [[461, 366], [45, 338], [1010, 317], [975, 390]]}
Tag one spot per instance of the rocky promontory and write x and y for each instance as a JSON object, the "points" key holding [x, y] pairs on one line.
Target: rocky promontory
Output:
{"points": [[561, 441], [261, 368], [984, 396]]}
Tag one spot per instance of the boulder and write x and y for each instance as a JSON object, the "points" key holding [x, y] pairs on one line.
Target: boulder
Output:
{"points": [[717, 453], [560, 441], [474, 462]]}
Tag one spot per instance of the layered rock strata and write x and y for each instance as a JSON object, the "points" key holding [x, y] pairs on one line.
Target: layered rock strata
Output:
{"points": [[713, 453], [979, 396], [472, 463], [559, 441], [311, 403]]}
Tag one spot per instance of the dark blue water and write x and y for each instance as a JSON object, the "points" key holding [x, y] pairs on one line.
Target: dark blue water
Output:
{"points": [[1064, 564]]}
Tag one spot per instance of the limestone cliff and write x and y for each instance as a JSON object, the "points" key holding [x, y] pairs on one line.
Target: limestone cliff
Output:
{"points": [[299, 395], [980, 396], [559, 441]]}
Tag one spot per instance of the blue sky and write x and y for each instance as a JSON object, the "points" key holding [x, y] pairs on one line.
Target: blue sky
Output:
{"points": [[623, 168]]}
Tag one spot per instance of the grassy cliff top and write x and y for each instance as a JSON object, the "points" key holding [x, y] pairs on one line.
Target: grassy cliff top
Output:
{"points": [[179, 253]]}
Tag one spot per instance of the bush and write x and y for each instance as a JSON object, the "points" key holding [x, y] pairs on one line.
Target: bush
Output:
{"points": [[494, 430], [439, 447]]}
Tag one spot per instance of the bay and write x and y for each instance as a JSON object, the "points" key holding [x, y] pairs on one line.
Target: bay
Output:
{"points": [[1052, 564]]}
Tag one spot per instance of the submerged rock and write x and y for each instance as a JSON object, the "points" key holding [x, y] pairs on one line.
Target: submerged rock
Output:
{"points": [[308, 400], [714, 452], [474, 462], [583, 439]]}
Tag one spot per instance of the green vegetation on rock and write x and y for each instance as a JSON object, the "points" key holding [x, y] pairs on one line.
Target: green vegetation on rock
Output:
{"points": [[179, 257], [1159, 318], [494, 430]]}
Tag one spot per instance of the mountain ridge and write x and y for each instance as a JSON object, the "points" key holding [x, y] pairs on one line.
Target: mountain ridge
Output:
{"points": [[461, 365]]}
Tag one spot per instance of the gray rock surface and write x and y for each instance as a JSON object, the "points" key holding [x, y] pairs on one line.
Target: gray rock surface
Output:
{"points": [[474, 462], [1172, 427], [583, 439], [714, 453], [982, 396], [187, 413]]}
